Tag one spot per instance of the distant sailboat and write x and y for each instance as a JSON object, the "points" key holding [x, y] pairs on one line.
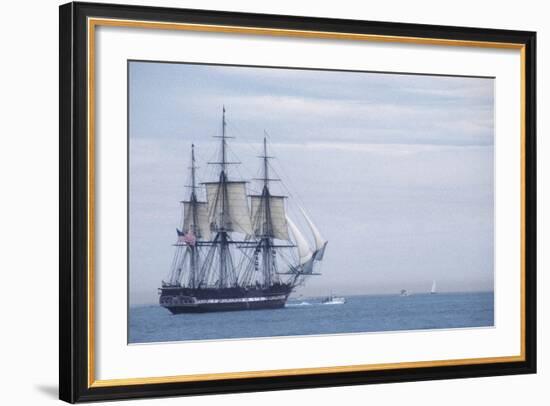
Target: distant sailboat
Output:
{"points": [[433, 291]]}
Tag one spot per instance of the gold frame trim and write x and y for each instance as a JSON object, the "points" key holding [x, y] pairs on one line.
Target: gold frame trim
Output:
{"points": [[94, 22]]}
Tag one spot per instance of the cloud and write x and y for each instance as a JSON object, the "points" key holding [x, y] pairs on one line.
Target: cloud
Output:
{"points": [[171, 99]]}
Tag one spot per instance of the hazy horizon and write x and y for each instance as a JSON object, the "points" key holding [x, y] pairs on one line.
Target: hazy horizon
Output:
{"points": [[396, 170], [298, 297]]}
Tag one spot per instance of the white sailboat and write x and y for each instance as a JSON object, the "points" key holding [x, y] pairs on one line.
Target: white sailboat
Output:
{"points": [[433, 291]]}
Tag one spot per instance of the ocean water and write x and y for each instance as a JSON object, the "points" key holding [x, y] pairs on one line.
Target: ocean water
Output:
{"points": [[372, 313]]}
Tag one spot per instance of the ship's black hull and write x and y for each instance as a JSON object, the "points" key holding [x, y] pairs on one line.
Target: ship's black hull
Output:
{"points": [[187, 300], [226, 307]]}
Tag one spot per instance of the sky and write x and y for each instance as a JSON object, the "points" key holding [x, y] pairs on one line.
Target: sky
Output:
{"points": [[396, 170]]}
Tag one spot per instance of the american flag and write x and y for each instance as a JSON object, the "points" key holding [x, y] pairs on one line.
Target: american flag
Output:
{"points": [[186, 238]]}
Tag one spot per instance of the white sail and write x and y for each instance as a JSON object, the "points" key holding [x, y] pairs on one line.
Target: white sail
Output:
{"points": [[237, 218], [279, 227], [202, 226], [320, 242], [304, 252], [433, 287]]}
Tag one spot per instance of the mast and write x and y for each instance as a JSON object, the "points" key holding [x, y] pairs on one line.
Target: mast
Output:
{"points": [[265, 219], [265, 158], [223, 139], [227, 212], [193, 233], [223, 190], [193, 260], [266, 238], [193, 168]]}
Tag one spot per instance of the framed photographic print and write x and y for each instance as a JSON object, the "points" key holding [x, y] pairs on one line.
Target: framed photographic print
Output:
{"points": [[256, 202]]}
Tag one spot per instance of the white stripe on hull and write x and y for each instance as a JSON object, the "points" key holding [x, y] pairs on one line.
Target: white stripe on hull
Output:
{"points": [[191, 301], [241, 299]]}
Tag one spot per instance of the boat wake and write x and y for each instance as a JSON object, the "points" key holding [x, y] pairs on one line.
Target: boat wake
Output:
{"points": [[298, 304], [335, 301]]}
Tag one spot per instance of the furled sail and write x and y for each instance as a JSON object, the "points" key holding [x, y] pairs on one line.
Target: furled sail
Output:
{"points": [[304, 252], [232, 212], [279, 227], [320, 242], [196, 219]]}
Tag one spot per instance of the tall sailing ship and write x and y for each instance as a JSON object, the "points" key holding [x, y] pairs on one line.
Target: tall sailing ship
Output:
{"points": [[237, 251]]}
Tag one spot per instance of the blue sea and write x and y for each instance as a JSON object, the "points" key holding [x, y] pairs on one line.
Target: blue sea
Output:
{"points": [[370, 313]]}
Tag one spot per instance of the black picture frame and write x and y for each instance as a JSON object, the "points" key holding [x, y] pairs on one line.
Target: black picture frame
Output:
{"points": [[74, 199]]}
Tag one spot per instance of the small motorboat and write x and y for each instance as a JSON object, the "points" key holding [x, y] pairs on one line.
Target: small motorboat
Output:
{"points": [[333, 300]]}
